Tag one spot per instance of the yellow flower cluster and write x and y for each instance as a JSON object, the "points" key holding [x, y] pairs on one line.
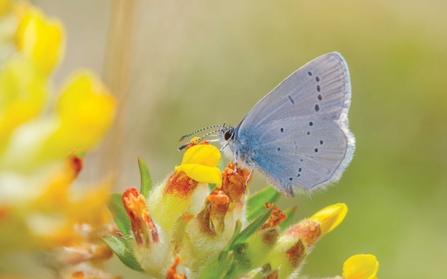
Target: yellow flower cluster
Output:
{"points": [[41, 139]]}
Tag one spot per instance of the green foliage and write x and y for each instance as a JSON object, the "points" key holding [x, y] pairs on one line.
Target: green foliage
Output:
{"points": [[250, 229], [121, 247], [227, 264], [119, 214], [255, 203], [218, 266], [146, 181]]}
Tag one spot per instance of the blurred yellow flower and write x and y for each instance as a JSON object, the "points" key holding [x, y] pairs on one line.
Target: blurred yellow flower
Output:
{"points": [[361, 267], [40, 38], [39, 207], [23, 94], [85, 111], [5, 6], [85, 108]]}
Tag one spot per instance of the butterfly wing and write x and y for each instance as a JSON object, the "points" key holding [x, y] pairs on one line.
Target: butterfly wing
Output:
{"points": [[302, 153], [298, 134], [320, 89]]}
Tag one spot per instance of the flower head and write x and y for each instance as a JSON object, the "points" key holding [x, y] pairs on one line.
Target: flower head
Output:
{"points": [[200, 164]]}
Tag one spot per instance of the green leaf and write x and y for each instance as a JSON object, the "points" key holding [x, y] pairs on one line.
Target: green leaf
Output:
{"points": [[255, 204], [146, 181], [122, 249], [237, 230], [290, 212], [252, 228], [236, 245], [237, 240], [217, 266], [116, 207]]}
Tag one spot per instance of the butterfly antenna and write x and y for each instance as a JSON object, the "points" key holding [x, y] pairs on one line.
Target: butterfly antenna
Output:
{"points": [[200, 139], [207, 134], [197, 131]]}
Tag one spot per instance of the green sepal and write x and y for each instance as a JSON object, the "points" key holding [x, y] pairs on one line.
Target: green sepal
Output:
{"points": [[178, 231], [238, 244], [217, 266], [255, 204], [121, 248], [251, 229], [237, 230], [290, 212], [119, 214], [146, 181]]}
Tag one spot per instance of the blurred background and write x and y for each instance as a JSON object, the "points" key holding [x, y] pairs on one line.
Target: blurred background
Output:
{"points": [[181, 65]]}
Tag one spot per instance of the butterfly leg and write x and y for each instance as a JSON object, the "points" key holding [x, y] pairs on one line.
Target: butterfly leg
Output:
{"points": [[249, 175], [235, 161], [248, 178]]}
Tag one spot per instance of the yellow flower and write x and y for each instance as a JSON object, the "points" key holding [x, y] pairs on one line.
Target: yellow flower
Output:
{"points": [[5, 6], [361, 267], [50, 218], [180, 192], [23, 77], [39, 208], [85, 111], [200, 163], [87, 208], [40, 38], [23, 95], [330, 217]]}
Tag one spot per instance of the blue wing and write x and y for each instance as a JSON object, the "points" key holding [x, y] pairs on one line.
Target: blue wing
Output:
{"points": [[319, 89], [298, 134]]}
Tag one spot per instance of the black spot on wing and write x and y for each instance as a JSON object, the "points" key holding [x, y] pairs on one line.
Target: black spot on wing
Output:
{"points": [[291, 100]]}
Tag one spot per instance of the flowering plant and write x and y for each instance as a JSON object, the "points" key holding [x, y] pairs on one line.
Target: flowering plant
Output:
{"points": [[200, 222], [182, 229]]}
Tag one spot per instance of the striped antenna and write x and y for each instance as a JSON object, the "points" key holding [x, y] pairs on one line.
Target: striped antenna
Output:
{"points": [[202, 137], [199, 130], [199, 140], [207, 134]]}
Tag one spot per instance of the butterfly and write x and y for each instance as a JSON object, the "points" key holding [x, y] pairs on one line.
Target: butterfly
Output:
{"points": [[298, 135]]}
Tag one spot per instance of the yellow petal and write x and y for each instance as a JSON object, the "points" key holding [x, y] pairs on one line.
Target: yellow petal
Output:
{"points": [[203, 154], [330, 217], [23, 95], [40, 38], [202, 173], [5, 6], [86, 110], [360, 267]]}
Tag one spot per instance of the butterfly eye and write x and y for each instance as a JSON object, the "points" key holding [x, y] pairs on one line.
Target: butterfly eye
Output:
{"points": [[228, 134]]}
